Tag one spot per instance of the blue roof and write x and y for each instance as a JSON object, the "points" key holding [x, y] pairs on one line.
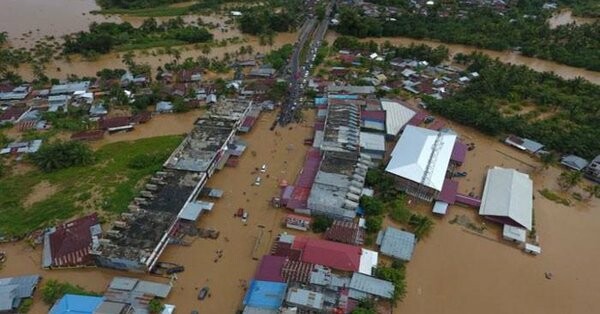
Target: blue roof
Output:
{"points": [[265, 294], [76, 304], [344, 96], [320, 101]]}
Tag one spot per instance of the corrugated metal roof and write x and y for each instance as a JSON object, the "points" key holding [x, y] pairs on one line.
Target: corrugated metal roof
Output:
{"points": [[372, 141], [396, 243], [160, 290], [508, 193], [397, 116], [371, 285], [123, 283], [413, 152]]}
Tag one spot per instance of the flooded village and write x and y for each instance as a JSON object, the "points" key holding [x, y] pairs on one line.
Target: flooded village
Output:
{"points": [[369, 201]]}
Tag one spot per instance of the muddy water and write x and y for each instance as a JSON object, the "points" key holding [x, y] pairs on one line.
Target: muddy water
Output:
{"points": [[45, 18], [454, 271], [62, 68], [565, 17], [283, 153], [540, 65]]}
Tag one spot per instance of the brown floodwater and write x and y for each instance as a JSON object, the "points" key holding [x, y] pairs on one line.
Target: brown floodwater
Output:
{"points": [[81, 67], [539, 65], [27, 21], [565, 17], [455, 271]]}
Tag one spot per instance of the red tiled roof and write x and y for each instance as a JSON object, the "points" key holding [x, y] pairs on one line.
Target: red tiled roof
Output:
{"points": [[12, 113], [270, 268], [327, 253], [70, 243], [345, 231], [88, 135], [115, 122]]}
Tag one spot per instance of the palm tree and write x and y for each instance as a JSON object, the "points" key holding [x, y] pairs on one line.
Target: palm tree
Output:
{"points": [[422, 225], [569, 179], [593, 190]]}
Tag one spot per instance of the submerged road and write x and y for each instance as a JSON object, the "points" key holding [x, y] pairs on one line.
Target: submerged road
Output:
{"points": [[311, 35]]}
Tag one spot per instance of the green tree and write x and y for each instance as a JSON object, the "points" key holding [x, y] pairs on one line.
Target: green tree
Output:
{"points": [[155, 306], [569, 179], [54, 290], [422, 225], [373, 224], [398, 210], [592, 190], [320, 223], [397, 276], [371, 205], [60, 155], [365, 306]]}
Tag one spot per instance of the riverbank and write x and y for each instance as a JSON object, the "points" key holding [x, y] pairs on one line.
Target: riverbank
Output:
{"points": [[539, 65]]}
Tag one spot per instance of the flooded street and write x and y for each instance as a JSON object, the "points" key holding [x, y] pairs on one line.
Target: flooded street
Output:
{"points": [[539, 65], [457, 271]]}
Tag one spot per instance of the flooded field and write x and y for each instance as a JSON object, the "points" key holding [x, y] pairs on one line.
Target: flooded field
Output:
{"points": [[457, 271], [46, 18], [540, 65], [81, 67], [565, 17]]}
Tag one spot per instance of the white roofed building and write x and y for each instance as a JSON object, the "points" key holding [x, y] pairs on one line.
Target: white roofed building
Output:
{"points": [[396, 116], [420, 160], [507, 198]]}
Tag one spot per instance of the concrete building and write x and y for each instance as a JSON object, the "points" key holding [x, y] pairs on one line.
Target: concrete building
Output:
{"points": [[420, 160], [592, 171], [305, 299], [507, 198]]}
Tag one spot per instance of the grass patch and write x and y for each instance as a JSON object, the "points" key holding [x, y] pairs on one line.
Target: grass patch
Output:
{"points": [[112, 175], [53, 290], [151, 44], [554, 197]]}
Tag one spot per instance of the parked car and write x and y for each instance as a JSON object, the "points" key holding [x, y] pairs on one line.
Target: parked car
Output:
{"points": [[203, 293], [245, 217], [257, 181]]}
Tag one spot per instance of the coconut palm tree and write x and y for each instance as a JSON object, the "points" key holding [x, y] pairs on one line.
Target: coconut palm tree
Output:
{"points": [[593, 190], [569, 179]]}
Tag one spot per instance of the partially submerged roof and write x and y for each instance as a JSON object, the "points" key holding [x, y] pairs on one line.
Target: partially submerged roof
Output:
{"points": [[396, 243], [422, 156], [396, 116], [14, 289], [508, 196]]}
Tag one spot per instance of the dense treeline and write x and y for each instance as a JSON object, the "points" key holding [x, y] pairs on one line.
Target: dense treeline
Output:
{"points": [[278, 58], [569, 44], [562, 114], [134, 4], [587, 8], [102, 37], [263, 20]]}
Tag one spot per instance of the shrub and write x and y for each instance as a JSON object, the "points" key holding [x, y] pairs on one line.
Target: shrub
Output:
{"points": [[60, 155], [54, 290], [320, 223], [373, 223]]}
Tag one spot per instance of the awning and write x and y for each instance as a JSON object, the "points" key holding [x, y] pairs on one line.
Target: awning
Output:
{"points": [[440, 208]]}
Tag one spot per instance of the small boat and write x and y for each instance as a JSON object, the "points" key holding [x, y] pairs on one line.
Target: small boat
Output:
{"points": [[203, 293]]}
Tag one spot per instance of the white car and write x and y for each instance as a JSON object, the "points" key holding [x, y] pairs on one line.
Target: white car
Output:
{"points": [[257, 181], [263, 168], [245, 217]]}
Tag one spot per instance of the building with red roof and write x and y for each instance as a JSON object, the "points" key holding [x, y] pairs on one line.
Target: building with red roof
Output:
{"points": [[335, 255], [69, 245], [270, 268]]}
